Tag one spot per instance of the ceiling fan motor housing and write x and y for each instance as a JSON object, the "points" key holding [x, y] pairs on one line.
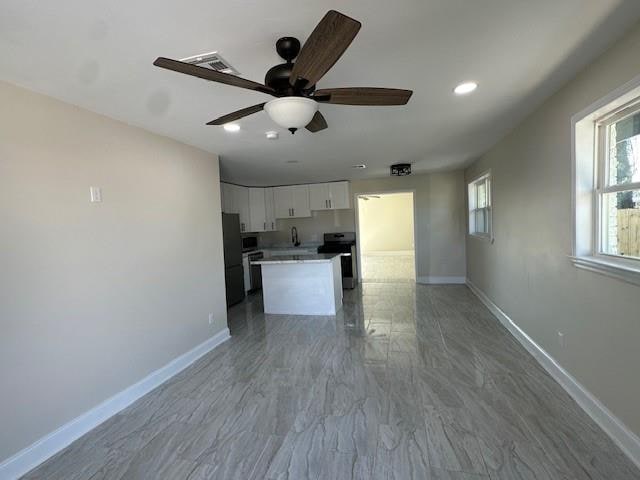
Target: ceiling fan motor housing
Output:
{"points": [[278, 76]]}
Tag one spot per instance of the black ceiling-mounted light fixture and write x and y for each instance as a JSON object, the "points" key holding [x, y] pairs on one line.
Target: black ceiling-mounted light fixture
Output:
{"points": [[401, 169], [293, 83]]}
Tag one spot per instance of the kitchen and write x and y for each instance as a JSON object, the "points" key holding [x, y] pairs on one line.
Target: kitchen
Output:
{"points": [[263, 250]]}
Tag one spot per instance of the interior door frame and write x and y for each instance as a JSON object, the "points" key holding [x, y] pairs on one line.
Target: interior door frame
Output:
{"points": [[415, 238]]}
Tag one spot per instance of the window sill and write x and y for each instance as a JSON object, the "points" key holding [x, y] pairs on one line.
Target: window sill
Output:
{"points": [[486, 238], [610, 268]]}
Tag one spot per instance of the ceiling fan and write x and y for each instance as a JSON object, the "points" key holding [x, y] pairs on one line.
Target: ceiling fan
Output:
{"points": [[294, 83]]}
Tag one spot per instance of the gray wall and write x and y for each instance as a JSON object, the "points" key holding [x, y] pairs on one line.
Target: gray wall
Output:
{"points": [[440, 220], [526, 271], [93, 297]]}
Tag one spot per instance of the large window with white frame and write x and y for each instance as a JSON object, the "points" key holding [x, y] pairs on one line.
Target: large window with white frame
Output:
{"points": [[618, 183], [479, 198], [606, 185]]}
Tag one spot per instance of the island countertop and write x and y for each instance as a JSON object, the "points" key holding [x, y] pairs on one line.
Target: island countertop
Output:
{"points": [[283, 259]]}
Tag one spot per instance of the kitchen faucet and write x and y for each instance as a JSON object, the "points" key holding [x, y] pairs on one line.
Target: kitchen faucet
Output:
{"points": [[294, 237]]}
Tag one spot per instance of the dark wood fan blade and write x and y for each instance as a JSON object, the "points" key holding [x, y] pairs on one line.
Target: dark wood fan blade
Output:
{"points": [[237, 115], [326, 44], [206, 74], [317, 123], [363, 96]]}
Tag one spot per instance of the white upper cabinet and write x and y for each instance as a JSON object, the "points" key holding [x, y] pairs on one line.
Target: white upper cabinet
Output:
{"points": [[259, 207], [257, 210], [227, 198], [339, 196], [282, 200], [301, 201], [291, 201], [241, 205], [319, 196], [270, 212], [329, 196]]}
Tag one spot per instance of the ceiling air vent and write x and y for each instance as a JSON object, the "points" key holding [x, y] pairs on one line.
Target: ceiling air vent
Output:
{"points": [[212, 61]]}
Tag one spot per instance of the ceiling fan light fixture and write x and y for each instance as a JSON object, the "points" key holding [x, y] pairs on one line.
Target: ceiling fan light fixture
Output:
{"points": [[291, 112], [465, 88], [231, 127]]}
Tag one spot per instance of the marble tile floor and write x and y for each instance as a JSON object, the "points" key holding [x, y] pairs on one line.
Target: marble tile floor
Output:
{"points": [[407, 382], [377, 268]]}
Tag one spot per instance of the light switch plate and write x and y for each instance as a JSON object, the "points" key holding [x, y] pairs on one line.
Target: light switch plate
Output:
{"points": [[95, 194]]}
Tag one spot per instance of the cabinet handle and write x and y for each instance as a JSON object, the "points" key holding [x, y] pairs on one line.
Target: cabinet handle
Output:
{"points": [[326, 204], [272, 227], [329, 203], [265, 225], [293, 212]]}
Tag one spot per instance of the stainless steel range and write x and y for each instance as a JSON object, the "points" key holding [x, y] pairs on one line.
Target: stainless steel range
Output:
{"points": [[345, 244]]}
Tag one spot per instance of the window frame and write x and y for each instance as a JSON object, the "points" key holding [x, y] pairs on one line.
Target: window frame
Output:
{"points": [[589, 177], [602, 186], [486, 176]]}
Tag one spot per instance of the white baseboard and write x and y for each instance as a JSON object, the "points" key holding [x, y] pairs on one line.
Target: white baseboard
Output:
{"points": [[441, 280], [628, 441], [30, 457]]}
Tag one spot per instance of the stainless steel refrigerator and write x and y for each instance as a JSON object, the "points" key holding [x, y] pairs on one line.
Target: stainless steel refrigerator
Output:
{"points": [[233, 272]]}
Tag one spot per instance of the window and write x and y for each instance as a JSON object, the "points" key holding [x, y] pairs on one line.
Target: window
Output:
{"points": [[480, 206], [606, 185], [618, 191]]}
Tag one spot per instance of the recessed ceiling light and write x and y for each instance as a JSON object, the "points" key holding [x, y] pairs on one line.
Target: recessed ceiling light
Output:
{"points": [[272, 135], [292, 161], [232, 127], [359, 166], [464, 88]]}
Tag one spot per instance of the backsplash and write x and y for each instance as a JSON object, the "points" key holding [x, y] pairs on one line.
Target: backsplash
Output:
{"points": [[310, 229]]}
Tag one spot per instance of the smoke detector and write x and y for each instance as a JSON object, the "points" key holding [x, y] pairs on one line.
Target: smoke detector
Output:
{"points": [[212, 61]]}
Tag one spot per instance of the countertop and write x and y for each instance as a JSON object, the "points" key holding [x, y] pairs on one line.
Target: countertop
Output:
{"points": [[281, 259]]}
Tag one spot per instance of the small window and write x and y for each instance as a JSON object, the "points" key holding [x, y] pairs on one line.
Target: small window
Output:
{"points": [[618, 186], [480, 206]]}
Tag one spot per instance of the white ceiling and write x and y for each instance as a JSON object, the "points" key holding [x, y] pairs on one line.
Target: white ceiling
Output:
{"points": [[98, 54]]}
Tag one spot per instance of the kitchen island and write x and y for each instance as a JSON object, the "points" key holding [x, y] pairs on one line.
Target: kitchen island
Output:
{"points": [[302, 284]]}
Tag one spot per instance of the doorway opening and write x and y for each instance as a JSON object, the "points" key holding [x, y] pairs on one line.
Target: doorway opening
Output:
{"points": [[386, 237]]}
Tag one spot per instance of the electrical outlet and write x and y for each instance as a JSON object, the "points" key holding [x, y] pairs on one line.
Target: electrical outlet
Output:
{"points": [[210, 318], [561, 339], [95, 194]]}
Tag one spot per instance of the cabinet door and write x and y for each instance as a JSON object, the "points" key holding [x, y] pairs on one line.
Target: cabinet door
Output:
{"points": [[319, 196], [283, 201], [270, 213], [228, 198], [339, 195], [241, 196], [300, 201], [257, 210]]}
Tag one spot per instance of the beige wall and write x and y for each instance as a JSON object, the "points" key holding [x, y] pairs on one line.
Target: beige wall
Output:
{"points": [[93, 297], [439, 214], [439, 219], [526, 271], [386, 223]]}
